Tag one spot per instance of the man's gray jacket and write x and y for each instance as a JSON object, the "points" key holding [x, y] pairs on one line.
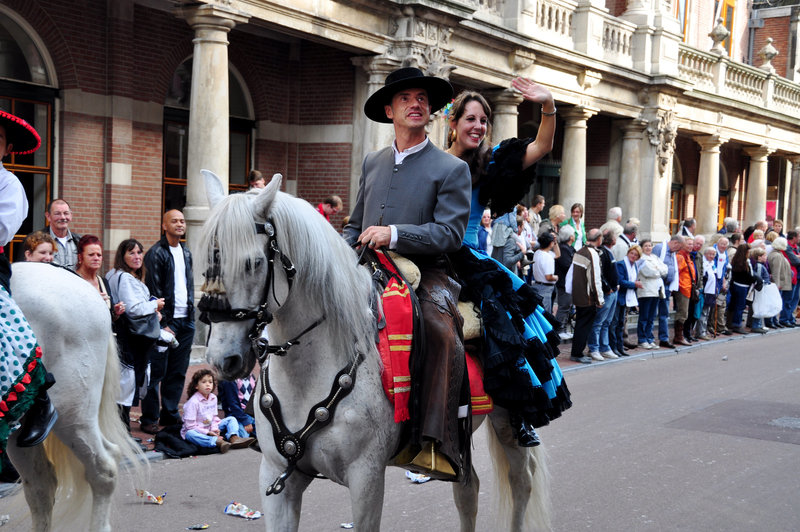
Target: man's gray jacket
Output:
{"points": [[427, 198]]}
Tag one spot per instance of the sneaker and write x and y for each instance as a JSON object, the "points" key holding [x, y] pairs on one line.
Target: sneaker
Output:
{"points": [[595, 355], [582, 360], [565, 336], [645, 345], [705, 337], [652, 345], [608, 354]]}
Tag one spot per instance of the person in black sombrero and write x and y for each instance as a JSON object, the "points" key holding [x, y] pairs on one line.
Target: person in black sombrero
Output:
{"points": [[414, 198], [23, 392]]}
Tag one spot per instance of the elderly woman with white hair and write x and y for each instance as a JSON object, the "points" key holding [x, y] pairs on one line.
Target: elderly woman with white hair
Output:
{"points": [[781, 274]]}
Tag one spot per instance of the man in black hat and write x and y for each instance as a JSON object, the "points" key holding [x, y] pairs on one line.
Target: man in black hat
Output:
{"points": [[414, 198], [29, 402]]}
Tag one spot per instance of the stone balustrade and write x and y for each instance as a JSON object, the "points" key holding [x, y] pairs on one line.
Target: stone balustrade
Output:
{"points": [[720, 75], [617, 38], [555, 17], [786, 97], [697, 67]]}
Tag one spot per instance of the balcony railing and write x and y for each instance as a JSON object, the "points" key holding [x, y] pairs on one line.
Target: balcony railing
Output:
{"points": [[711, 73], [591, 30]]}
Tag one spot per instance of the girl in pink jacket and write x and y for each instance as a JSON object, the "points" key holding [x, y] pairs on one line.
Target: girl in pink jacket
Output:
{"points": [[201, 423]]}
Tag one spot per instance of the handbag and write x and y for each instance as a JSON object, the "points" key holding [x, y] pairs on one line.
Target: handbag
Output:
{"points": [[767, 302], [146, 326]]}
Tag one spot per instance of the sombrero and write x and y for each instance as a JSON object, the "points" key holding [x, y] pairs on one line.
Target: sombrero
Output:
{"points": [[439, 92], [20, 134]]}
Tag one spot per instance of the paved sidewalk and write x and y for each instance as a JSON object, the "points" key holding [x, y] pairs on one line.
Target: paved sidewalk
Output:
{"points": [[568, 365]]}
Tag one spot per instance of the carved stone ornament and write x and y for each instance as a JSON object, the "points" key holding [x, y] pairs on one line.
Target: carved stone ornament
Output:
{"points": [[767, 54], [519, 59], [719, 34], [662, 132], [589, 79]]}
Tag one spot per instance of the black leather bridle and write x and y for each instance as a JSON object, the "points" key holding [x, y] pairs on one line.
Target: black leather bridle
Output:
{"points": [[216, 310], [291, 445]]}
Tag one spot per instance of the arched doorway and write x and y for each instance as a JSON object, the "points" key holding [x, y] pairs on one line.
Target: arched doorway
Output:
{"points": [[28, 89], [176, 134]]}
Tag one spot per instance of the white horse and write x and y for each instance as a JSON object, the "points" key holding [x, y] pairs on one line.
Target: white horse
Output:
{"points": [[322, 319], [82, 453]]}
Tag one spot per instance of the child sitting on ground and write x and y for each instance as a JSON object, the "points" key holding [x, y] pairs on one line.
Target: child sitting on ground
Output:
{"points": [[201, 424]]}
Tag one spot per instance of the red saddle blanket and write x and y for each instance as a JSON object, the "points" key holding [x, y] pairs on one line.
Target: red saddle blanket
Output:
{"points": [[394, 345]]}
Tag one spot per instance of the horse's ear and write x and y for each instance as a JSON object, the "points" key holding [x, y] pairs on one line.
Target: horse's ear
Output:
{"points": [[215, 192], [267, 196]]}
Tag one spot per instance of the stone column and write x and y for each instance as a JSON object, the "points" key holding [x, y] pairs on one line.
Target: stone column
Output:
{"points": [[756, 206], [572, 186], [630, 172], [209, 109], [707, 205], [793, 219], [505, 113], [368, 136]]}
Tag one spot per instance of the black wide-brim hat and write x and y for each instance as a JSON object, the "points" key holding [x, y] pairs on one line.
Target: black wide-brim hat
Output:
{"points": [[440, 92], [20, 134]]}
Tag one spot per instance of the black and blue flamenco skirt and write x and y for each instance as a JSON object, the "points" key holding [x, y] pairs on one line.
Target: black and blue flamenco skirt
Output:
{"points": [[519, 341]]}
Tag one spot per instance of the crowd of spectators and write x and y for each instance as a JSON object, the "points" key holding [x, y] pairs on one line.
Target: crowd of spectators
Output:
{"points": [[691, 288]]}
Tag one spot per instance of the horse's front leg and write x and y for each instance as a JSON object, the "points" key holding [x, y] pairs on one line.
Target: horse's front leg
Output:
{"points": [[38, 480], [282, 510], [366, 482]]}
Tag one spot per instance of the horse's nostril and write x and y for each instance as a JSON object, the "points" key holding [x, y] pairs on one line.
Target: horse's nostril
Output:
{"points": [[232, 363]]}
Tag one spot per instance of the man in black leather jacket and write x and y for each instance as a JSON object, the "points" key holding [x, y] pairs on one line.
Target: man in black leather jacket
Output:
{"points": [[169, 275]]}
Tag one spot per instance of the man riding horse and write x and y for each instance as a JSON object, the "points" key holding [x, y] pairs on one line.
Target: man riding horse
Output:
{"points": [[23, 379], [414, 198]]}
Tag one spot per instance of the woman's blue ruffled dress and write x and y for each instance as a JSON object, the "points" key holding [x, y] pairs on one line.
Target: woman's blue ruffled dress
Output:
{"points": [[519, 343]]}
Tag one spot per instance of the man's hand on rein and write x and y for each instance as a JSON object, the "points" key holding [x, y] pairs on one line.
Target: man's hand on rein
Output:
{"points": [[376, 236]]}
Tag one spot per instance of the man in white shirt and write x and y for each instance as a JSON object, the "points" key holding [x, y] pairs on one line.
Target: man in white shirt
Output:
{"points": [[169, 275]]}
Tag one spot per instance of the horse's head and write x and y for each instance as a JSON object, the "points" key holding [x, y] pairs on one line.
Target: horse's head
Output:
{"points": [[233, 247]]}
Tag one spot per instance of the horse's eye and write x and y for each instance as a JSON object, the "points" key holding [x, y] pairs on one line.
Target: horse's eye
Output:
{"points": [[252, 266]]}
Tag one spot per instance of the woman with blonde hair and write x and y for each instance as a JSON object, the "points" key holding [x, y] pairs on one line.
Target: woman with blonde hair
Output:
{"points": [[555, 216]]}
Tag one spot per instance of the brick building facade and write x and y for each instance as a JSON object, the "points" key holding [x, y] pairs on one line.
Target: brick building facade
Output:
{"points": [[111, 96]]}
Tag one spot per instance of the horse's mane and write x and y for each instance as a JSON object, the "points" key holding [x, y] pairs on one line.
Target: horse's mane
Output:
{"points": [[326, 266]]}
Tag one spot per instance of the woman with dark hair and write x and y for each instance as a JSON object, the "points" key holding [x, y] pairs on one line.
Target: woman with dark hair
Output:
{"points": [[519, 343], [741, 279], [126, 281], [90, 259]]}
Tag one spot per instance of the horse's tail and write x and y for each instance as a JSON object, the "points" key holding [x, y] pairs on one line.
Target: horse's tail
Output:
{"points": [[73, 503], [537, 509], [130, 457]]}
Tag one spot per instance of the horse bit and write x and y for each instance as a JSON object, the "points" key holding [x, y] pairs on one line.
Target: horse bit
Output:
{"points": [[291, 445]]}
